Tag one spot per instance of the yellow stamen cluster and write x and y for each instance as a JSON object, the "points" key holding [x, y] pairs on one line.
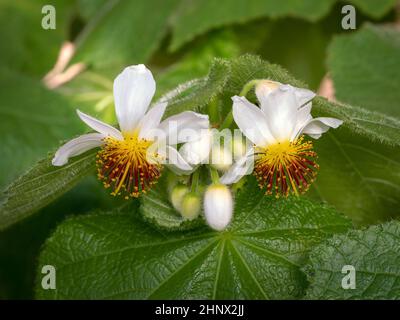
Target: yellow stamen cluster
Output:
{"points": [[286, 167], [124, 166]]}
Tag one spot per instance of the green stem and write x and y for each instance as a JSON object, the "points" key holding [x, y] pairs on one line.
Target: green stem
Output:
{"points": [[195, 181], [213, 111], [245, 90], [214, 175]]}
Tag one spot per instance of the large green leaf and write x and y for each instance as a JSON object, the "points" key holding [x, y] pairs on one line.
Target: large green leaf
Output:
{"points": [[42, 184], [117, 256], [33, 121], [364, 66], [359, 177], [198, 16], [374, 254], [123, 32]]}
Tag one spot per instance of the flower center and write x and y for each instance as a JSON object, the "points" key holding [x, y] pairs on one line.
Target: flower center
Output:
{"points": [[127, 166], [286, 167]]}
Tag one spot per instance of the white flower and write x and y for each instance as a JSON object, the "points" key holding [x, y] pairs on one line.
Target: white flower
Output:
{"points": [[218, 206], [284, 162], [130, 158]]}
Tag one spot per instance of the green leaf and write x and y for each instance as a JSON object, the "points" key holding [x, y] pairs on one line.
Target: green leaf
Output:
{"points": [[364, 67], [374, 8], [378, 127], [42, 184], [33, 121], [358, 177], [123, 32], [198, 16], [196, 93], [27, 47], [373, 252], [117, 256], [196, 62]]}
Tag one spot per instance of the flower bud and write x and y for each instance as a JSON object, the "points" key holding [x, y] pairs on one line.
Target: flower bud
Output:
{"points": [[218, 206], [190, 207], [177, 194], [264, 87]]}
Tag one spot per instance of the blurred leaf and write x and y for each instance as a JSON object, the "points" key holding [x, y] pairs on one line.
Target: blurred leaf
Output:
{"points": [[358, 177], [374, 8], [33, 121], [196, 62], [299, 46], [374, 253], [123, 32], [198, 16], [42, 184], [258, 257], [26, 46], [89, 8], [365, 68]]}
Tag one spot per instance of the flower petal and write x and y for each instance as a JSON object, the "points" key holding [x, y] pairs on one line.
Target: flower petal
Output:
{"points": [[239, 169], [184, 126], [302, 118], [251, 121], [76, 147], [100, 126], [175, 161], [281, 111], [196, 152], [151, 120], [133, 90], [315, 127], [303, 95]]}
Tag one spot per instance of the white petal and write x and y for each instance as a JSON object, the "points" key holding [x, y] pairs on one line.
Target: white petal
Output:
{"points": [[100, 126], [302, 118], [76, 147], [239, 169], [281, 111], [315, 127], [151, 120], [303, 95], [175, 161], [197, 151], [184, 126], [133, 90], [251, 121]]}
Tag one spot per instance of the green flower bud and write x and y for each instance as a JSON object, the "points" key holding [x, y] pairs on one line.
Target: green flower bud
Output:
{"points": [[177, 194], [191, 205]]}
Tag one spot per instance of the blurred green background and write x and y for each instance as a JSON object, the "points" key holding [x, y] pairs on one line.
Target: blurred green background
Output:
{"points": [[177, 40]]}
